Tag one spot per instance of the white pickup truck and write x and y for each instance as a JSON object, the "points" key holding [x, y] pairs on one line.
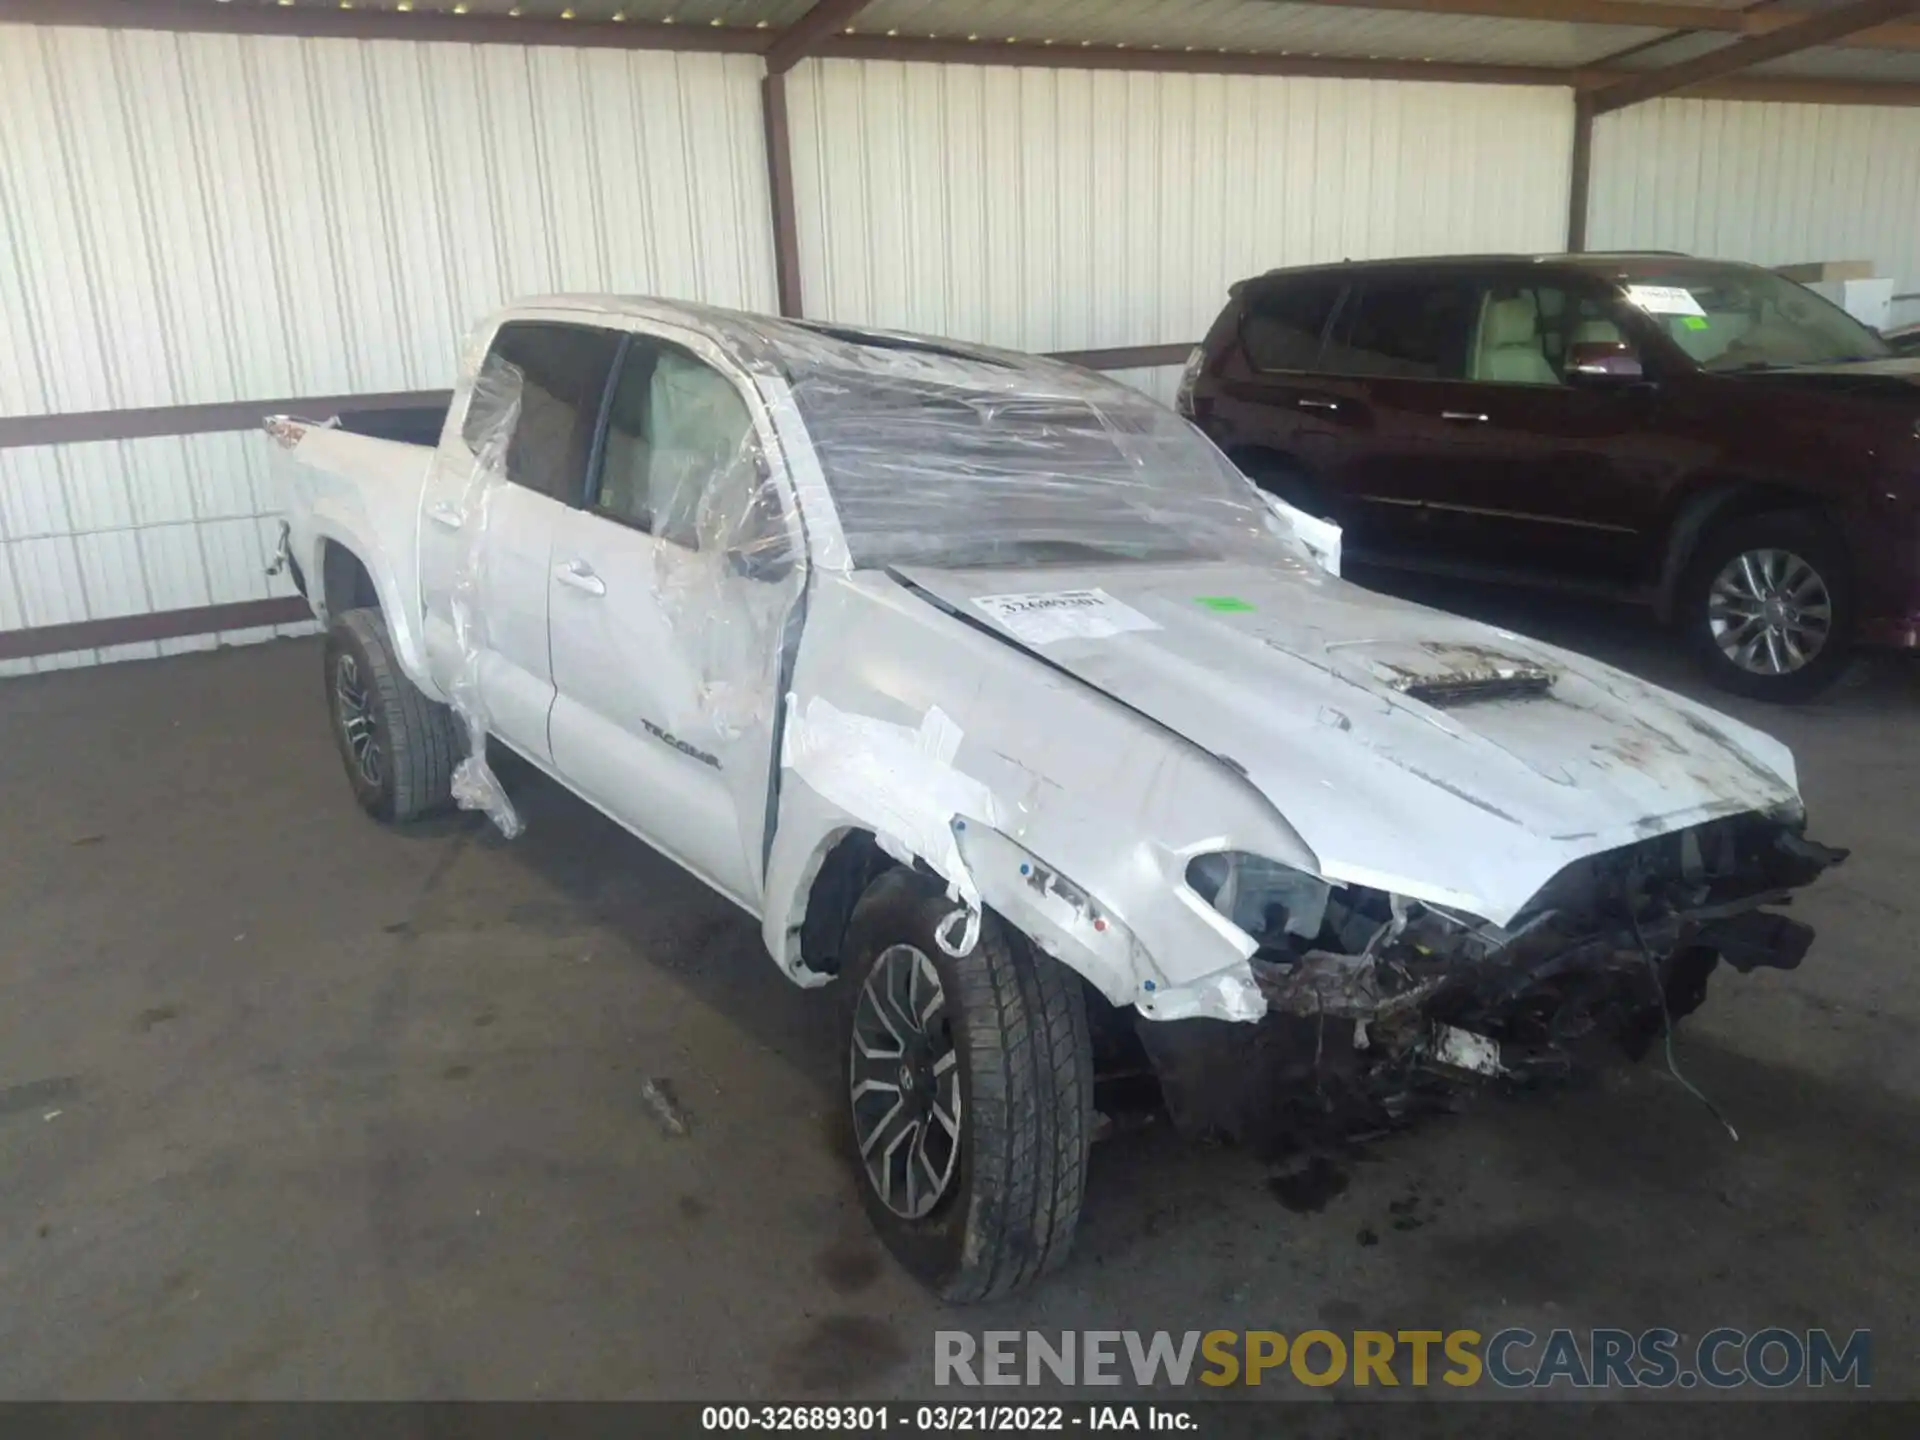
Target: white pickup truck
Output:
{"points": [[991, 689]]}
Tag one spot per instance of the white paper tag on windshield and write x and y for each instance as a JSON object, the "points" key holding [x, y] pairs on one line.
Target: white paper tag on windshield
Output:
{"points": [[1664, 299], [1046, 616]]}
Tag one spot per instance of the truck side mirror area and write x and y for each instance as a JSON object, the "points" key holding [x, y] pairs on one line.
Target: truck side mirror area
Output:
{"points": [[761, 543], [1603, 362], [769, 561]]}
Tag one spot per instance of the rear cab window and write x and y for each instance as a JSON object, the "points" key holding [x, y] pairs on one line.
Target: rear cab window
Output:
{"points": [[562, 375]]}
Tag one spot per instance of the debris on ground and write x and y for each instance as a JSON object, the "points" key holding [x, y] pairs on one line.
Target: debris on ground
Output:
{"points": [[665, 1104]]}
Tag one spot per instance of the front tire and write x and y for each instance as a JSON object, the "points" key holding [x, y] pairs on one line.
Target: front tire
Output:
{"points": [[398, 747], [970, 1090], [1766, 606]]}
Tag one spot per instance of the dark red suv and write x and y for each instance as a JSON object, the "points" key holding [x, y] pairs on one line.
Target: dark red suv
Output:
{"points": [[1703, 436]]}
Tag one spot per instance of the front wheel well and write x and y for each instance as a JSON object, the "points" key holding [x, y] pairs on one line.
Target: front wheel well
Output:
{"points": [[855, 862], [345, 583], [1707, 510]]}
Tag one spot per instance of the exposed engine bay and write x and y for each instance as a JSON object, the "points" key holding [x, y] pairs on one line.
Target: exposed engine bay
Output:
{"points": [[1380, 1008]]}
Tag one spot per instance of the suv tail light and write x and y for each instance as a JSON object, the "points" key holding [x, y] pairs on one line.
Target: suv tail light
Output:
{"points": [[1183, 394]]}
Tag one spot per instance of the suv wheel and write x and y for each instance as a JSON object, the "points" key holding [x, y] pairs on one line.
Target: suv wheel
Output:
{"points": [[1767, 606], [398, 746], [970, 1090]]}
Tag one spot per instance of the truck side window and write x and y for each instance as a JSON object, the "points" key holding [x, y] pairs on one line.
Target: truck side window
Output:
{"points": [[563, 373], [1285, 323], [680, 457], [1413, 329]]}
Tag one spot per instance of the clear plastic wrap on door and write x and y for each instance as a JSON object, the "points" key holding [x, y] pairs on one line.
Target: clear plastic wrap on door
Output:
{"points": [[491, 415], [730, 566]]}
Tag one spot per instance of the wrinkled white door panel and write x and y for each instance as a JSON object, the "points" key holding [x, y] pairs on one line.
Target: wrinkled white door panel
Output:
{"points": [[629, 728], [672, 594], [512, 558]]}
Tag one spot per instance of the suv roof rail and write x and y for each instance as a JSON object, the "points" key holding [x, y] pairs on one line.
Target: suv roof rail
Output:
{"points": [[1234, 289]]}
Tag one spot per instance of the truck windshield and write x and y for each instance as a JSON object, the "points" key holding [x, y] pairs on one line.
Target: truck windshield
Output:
{"points": [[960, 462], [1740, 319]]}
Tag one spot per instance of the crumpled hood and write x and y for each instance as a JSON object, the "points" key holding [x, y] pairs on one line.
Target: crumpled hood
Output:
{"points": [[1520, 759]]}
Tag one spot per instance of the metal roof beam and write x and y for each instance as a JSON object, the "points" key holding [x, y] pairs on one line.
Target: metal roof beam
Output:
{"points": [[1186, 62], [1820, 28], [494, 29], [803, 36], [312, 21], [1656, 16], [1567, 12]]}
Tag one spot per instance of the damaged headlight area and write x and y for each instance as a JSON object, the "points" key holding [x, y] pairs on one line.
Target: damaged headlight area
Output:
{"points": [[1377, 1003], [1266, 899]]}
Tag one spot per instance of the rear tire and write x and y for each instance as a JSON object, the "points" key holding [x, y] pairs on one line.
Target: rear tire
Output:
{"points": [[398, 747], [1766, 606], [1001, 1213]]}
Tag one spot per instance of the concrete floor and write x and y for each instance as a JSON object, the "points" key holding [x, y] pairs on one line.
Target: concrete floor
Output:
{"points": [[292, 1105]]}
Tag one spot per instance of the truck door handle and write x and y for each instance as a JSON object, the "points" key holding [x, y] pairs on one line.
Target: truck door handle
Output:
{"points": [[580, 576], [1464, 417], [1314, 402], [445, 512]]}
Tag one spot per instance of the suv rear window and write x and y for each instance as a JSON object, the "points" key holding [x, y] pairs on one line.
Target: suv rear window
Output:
{"points": [[1284, 324], [1416, 329]]}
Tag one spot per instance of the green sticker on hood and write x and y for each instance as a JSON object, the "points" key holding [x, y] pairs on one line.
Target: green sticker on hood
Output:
{"points": [[1224, 604]]}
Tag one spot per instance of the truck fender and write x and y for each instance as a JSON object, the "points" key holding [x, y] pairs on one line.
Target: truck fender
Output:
{"points": [[329, 524], [814, 884]]}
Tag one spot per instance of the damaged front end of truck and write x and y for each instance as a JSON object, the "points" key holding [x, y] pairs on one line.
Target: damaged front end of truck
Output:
{"points": [[1380, 1008]]}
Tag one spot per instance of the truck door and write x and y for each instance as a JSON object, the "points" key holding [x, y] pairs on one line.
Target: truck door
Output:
{"points": [[536, 419], [673, 586]]}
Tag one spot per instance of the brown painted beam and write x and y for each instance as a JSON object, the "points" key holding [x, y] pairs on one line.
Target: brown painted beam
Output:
{"points": [[161, 625], [1878, 37], [1186, 62], [780, 194], [1625, 13], [1820, 28], [332, 23], [1183, 62], [80, 427], [1566, 12], [1581, 172], [798, 40], [326, 22], [1792, 90]]}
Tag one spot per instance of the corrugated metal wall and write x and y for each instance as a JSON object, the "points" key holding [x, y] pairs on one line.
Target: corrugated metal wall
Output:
{"points": [[202, 218], [1768, 183], [1072, 209]]}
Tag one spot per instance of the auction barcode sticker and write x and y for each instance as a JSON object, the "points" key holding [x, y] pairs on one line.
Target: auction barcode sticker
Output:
{"points": [[1047, 616]]}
